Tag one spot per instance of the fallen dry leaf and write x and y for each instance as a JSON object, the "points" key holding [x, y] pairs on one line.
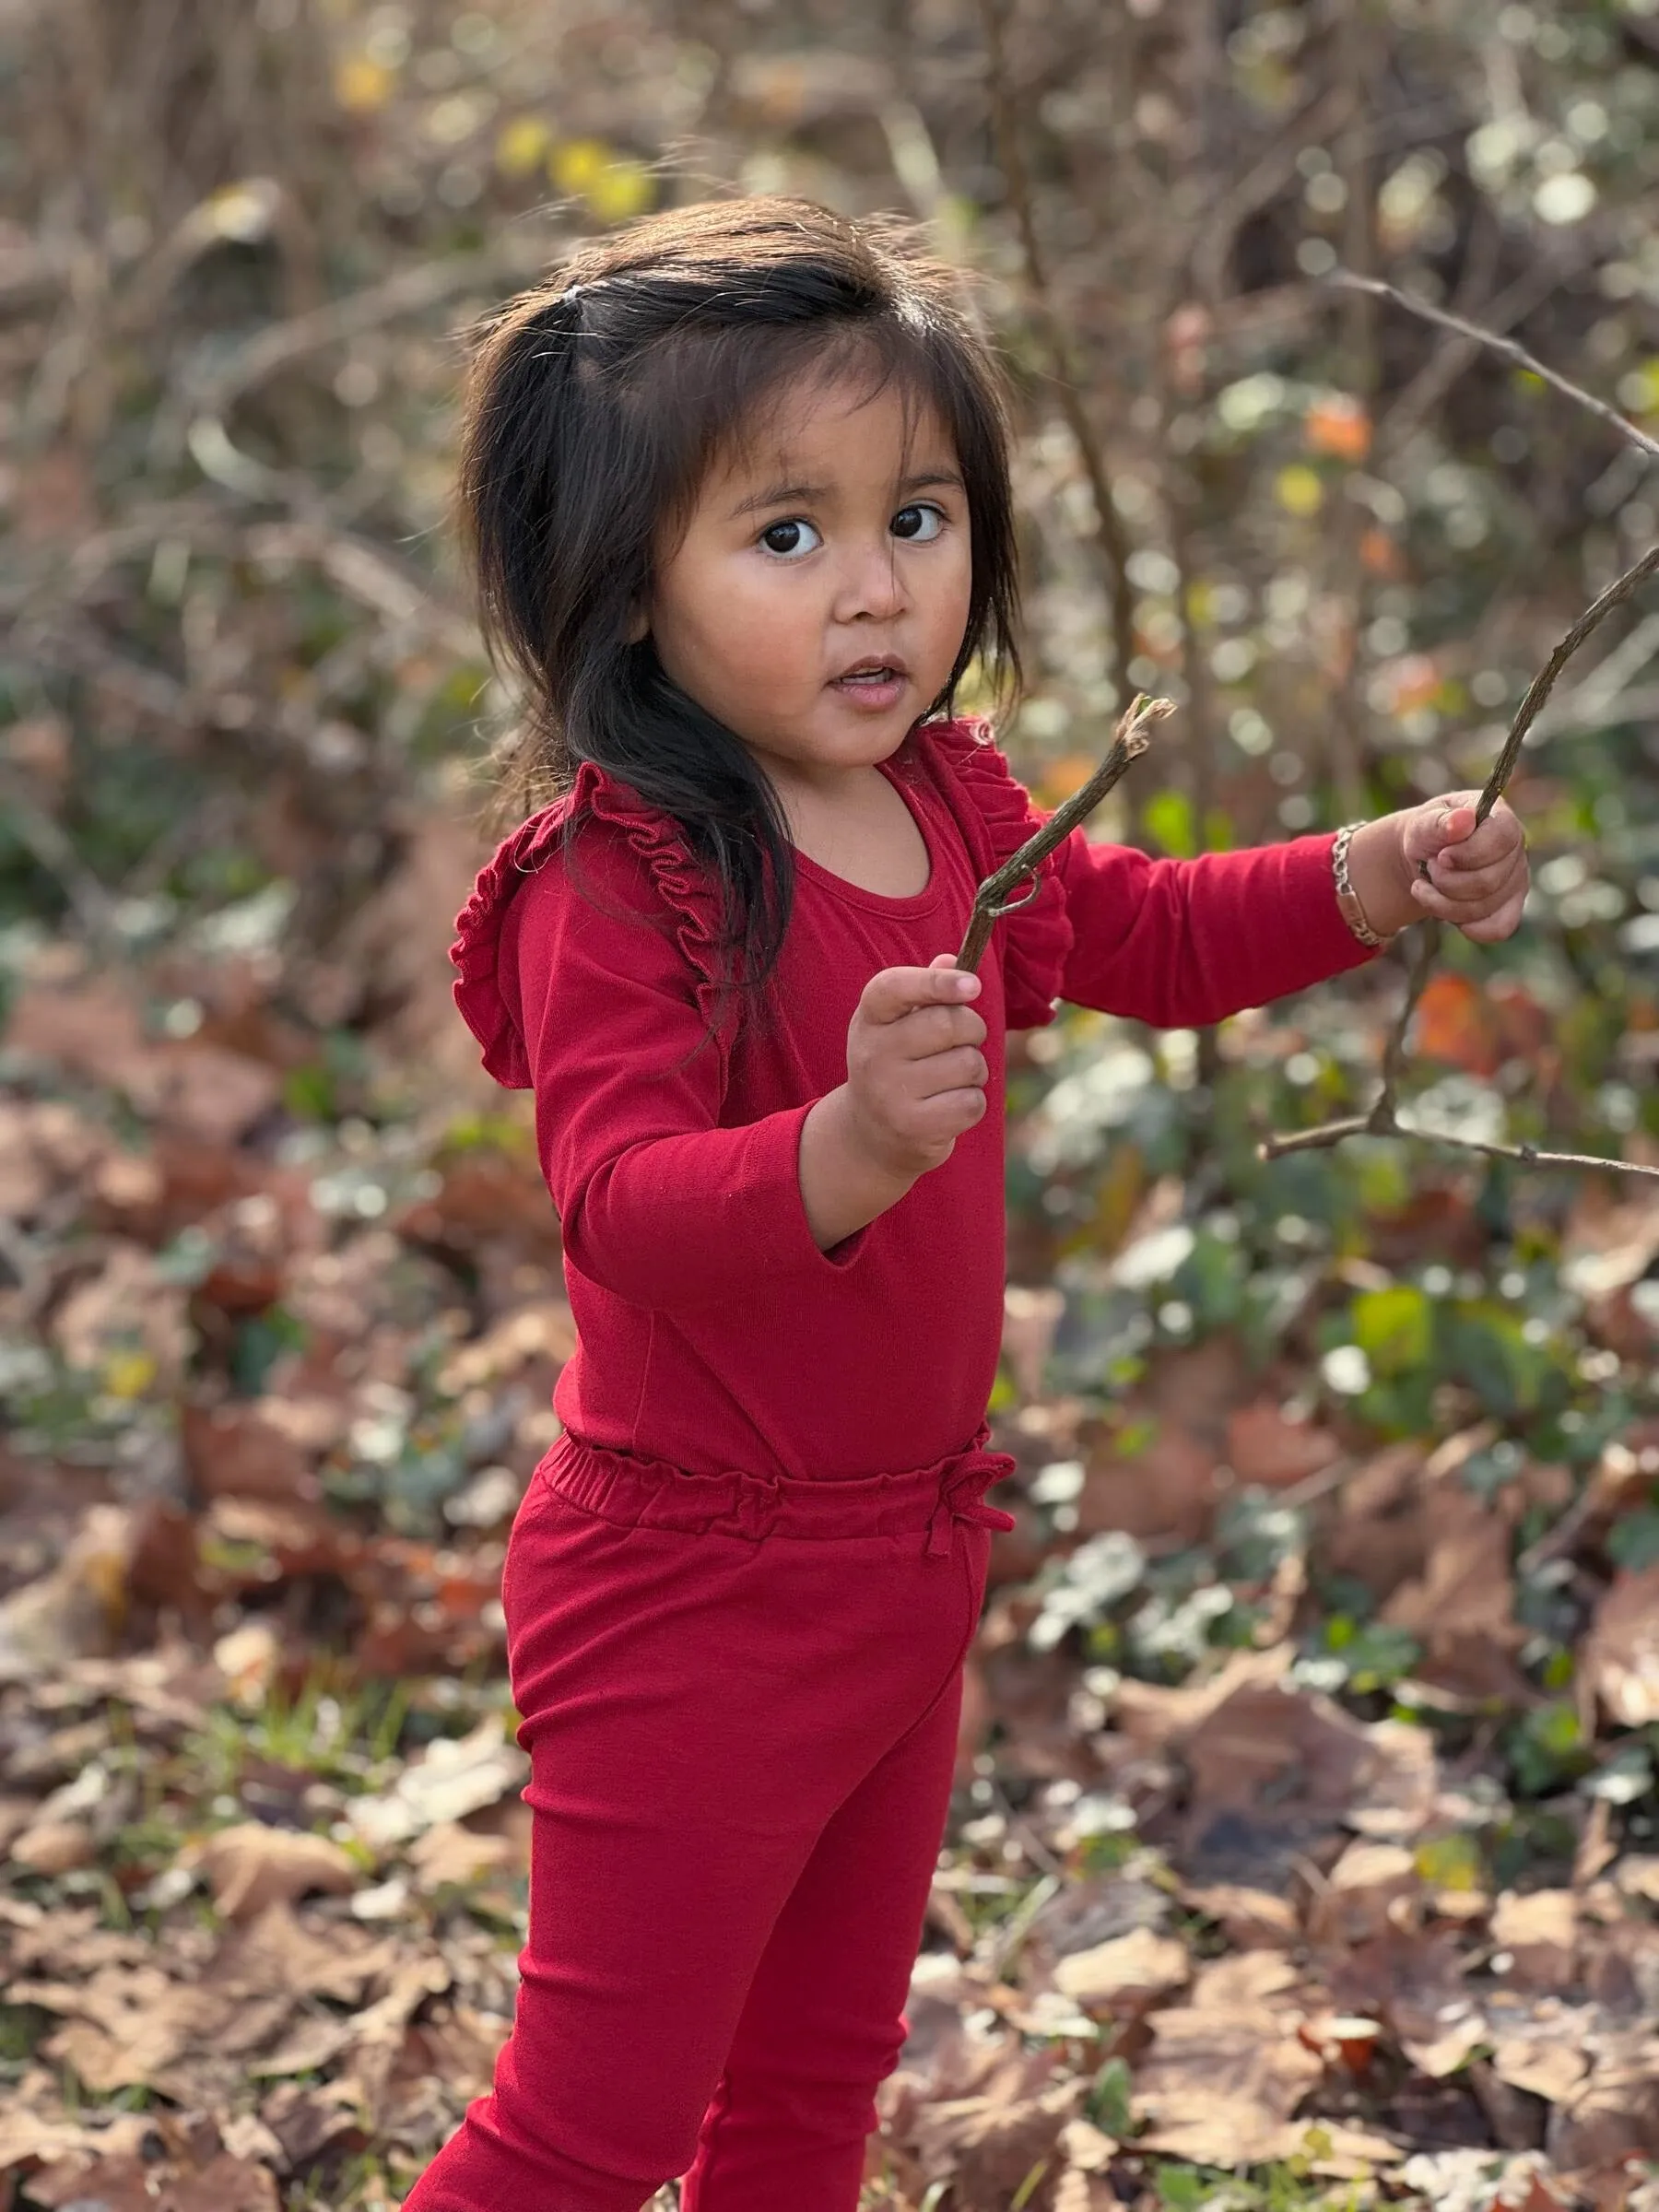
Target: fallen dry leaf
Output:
{"points": [[1266, 1447], [128, 2027], [1462, 1605], [236, 1451], [1078, 2191], [128, 1312], [77, 1609], [1614, 2117], [378, 2033], [1414, 1983], [458, 1775], [1129, 1974], [1371, 1887], [249, 1867], [1250, 1919], [1168, 1487], [1539, 1933], [452, 1853], [1620, 1658], [986, 2146], [55, 1847], [1638, 1876], [139, 2185], [1227, 2070], [1547, 2061]]}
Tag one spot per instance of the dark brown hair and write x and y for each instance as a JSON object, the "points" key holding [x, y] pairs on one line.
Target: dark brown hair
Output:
{"points": [[597, 401]]}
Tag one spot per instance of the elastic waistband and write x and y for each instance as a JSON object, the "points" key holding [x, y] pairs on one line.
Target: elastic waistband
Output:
{"points": [[649, 1493]]}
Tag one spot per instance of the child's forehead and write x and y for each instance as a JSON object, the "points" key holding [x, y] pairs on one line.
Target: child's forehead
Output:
{"points": [[837, 422]]}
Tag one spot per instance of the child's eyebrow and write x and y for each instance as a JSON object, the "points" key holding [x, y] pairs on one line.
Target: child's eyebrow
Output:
{"points": [[778, 495]]}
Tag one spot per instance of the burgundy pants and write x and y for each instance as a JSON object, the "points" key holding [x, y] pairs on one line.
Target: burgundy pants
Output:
{"points": [[740, 1698]]}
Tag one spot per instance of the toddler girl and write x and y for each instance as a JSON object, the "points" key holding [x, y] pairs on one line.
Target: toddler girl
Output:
{"points": [[737, 490]]}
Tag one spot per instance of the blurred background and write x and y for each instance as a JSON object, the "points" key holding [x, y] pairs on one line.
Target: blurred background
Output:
{"points": [[1339, 1489]]}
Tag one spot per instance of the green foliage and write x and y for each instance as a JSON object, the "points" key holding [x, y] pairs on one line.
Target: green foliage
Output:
{"points": [[1289, 2185], [1110, 2094]]}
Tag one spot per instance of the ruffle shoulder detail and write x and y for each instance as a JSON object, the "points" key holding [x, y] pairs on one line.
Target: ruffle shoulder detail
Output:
{"points": [[687, 897], [996, 812]]}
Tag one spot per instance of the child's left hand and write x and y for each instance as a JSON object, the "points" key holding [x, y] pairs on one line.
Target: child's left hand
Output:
{"points": [[1475, 878], [1442, 865]]}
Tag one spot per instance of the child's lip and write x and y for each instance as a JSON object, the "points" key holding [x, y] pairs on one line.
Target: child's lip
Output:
{"points": [[872, 671], [874, 666]]}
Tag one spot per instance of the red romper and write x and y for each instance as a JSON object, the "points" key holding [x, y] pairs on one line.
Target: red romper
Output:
{"points": [[741, 1586]]}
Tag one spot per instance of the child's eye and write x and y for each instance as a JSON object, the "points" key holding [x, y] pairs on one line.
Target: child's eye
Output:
{"points": [[917, 525], [789, 540]]}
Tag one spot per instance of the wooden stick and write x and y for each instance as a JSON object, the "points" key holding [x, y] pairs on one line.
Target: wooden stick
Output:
{"points": [[1348, 280], [1543, 684], [1331, 1133], [1383, 1119], [1053, 333], [992, 900]]}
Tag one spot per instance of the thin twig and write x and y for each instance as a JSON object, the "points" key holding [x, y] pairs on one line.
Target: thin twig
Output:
{"points": [[992, 900], [1113, 543], [1383, 1119], [1543, 684], [1454, 353], [1348, 280], [1331, 1133], [1423, 954]]}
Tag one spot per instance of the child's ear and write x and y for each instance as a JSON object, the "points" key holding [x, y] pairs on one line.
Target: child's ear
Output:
{"points": [[639, 625]]}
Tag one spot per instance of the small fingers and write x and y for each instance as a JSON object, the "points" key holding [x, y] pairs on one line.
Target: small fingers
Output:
{"points": [[893, 993], [1432, 828], [1493, 928], [1499, 839], [1486, 921], [944, 1072], [1470, 885], [929, 1030], [948, 1113]]}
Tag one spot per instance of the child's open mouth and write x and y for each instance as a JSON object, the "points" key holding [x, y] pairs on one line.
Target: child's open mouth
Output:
{"points": [[872, 684]]}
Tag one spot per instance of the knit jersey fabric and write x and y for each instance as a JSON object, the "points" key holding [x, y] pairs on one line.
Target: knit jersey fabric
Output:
{"points": [[713, 1334]]}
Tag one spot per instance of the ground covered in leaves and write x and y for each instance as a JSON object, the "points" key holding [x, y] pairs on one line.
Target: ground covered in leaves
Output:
{"points": [[1304, 1850]]}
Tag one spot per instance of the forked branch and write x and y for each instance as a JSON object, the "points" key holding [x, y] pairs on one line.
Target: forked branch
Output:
{"points": [[1383, 1119], [992, 900]]}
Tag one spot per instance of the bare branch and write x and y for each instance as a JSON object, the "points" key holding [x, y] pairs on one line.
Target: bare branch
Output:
{"points": [[1423, 954], [1543, 684], [1115, 545], [1331, 1133], [992, 900], [1349, 281], [1383, 1119]]}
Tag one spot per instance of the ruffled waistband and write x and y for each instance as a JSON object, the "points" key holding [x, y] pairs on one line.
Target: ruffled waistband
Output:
{"points": [[649, 1493]]}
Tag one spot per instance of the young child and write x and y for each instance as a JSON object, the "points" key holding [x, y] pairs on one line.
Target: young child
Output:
{"points": [[738, 489]]}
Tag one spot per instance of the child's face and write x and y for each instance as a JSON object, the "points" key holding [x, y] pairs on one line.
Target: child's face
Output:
{"points": [[834, 545]]}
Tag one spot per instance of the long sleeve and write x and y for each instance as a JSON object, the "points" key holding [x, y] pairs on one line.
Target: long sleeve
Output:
{"points": [[1177, 943], [658, 1202], [1181, 943]]}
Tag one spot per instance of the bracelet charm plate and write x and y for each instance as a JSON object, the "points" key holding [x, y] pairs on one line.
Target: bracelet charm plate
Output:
{"points": [[1348, 899]]}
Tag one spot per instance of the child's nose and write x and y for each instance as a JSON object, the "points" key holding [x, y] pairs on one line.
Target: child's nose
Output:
{"points": [[871, 583]]}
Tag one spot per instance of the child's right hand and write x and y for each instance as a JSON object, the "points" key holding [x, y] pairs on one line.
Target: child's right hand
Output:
{"points": [[915, 1074], [915, 1081]]}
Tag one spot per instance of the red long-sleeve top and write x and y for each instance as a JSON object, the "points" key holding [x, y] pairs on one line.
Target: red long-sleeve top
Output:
{"points": [[713, 1333]]}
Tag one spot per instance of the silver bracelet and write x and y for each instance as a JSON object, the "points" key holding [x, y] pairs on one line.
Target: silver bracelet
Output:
{"points": [[1348, 899]]}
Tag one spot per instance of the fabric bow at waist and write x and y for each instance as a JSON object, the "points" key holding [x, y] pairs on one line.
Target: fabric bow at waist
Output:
{"points": [[962, 1498]]}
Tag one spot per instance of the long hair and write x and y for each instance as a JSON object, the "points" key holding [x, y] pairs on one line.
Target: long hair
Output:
{"points": [[597, 402]]}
